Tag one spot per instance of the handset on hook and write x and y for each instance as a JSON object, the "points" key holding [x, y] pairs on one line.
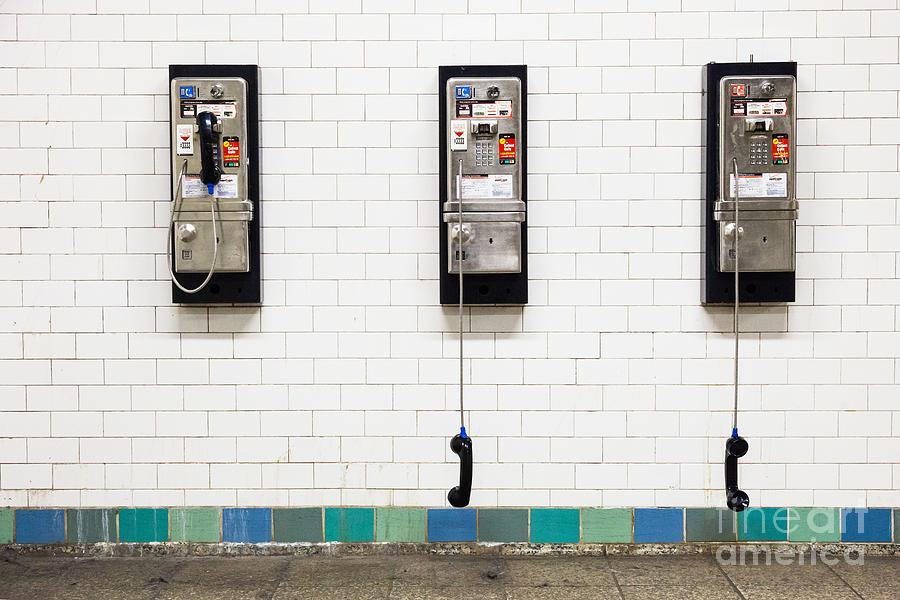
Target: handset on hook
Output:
{"points": [[461, 444], [210, 159]]}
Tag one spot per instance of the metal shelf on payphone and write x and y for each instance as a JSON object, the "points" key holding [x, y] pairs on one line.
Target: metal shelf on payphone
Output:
{"points": [[486, 206]]}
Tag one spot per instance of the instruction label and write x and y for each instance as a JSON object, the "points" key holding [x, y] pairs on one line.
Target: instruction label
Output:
{"points": [[184, 139], [484, 109], [222, 110], [458, 138], [760, 185], [759, 108], [193, 187], [487, 186]]}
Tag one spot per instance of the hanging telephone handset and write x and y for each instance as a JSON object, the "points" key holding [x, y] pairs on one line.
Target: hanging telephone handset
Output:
{"points": [[210, 159], [461, 444], [736, 498], [210, 174]]}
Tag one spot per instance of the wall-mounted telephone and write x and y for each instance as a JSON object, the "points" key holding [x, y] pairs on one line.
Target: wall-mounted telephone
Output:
{"points": [[213, 237], [750, 158], [483, 170]]}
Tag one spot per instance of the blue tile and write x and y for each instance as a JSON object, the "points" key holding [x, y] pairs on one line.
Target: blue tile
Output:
{"points": [[658, 525], [865, 525], [252, 525], [40, 526], [451, 525]]}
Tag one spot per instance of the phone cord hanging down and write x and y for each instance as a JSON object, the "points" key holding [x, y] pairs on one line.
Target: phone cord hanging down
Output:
{"points": [[737, 300], [459, 250], [171, 232]]}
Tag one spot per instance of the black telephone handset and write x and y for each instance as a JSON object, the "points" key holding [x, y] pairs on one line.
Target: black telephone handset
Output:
{"points": [[459, 495], [210, 157], [736, 498]]}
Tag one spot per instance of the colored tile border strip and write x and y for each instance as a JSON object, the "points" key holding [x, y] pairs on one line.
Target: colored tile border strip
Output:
{"points": [[311, 525]]}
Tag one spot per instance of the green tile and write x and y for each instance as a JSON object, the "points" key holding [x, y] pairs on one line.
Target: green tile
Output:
{"points": [[763, 524], [555, 525], [349, 524], [297, 524], [709, 525], [400, 525], [143, 524], [815, 525], [606, 525], [195, 525], [91, 525], [6, 526], [503, 525]]}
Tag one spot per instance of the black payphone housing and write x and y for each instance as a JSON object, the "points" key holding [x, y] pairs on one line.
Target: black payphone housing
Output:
{"points": [[718, 285], [235, 285], [482, 287]]}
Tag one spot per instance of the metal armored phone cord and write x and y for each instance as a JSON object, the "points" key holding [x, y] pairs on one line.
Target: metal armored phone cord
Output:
{"points": [[171, 232], [461, 444], [735, 447], [737, 300], [459, 243]]}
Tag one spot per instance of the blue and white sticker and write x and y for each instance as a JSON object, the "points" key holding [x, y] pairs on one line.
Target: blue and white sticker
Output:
{"points": [[186, 91], [463, 91]]}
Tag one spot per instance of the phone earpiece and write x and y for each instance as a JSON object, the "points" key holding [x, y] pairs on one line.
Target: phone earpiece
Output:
{"points": [[459, 495], [735, 498]]}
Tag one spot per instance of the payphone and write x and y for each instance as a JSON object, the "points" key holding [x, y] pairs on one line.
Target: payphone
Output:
{"points": [[483, 196], [213, 249], [751, 117], [751, 205], [483, 170]]}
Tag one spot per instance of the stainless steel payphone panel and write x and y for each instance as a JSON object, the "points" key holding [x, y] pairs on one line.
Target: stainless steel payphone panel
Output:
{"points": [[757, 124], [226, 99], [483, 149]]}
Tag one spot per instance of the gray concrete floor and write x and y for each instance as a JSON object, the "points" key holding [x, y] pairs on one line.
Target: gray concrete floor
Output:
{"points": [[428, 576]]}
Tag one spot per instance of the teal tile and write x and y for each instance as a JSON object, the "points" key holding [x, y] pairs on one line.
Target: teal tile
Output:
{"points": [[503, 525], [91, 525], [896, 523], [143, 524], [202, 525], [297, 524], [814, 524], [606, 525], [400, 525], [555, 525], [763, 524], [6, 526], [349, 524], [709, 525]]}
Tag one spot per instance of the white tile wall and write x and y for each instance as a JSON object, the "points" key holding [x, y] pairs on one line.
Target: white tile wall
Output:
{"points": [[610, 388]]}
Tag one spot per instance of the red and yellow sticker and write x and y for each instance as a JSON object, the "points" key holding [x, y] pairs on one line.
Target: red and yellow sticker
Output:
{"points": [[781, 151], [231, 155], [507, 154]]}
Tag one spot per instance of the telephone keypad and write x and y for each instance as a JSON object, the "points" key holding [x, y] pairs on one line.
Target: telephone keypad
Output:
{"points": [[484, 154], [759, 151]]}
